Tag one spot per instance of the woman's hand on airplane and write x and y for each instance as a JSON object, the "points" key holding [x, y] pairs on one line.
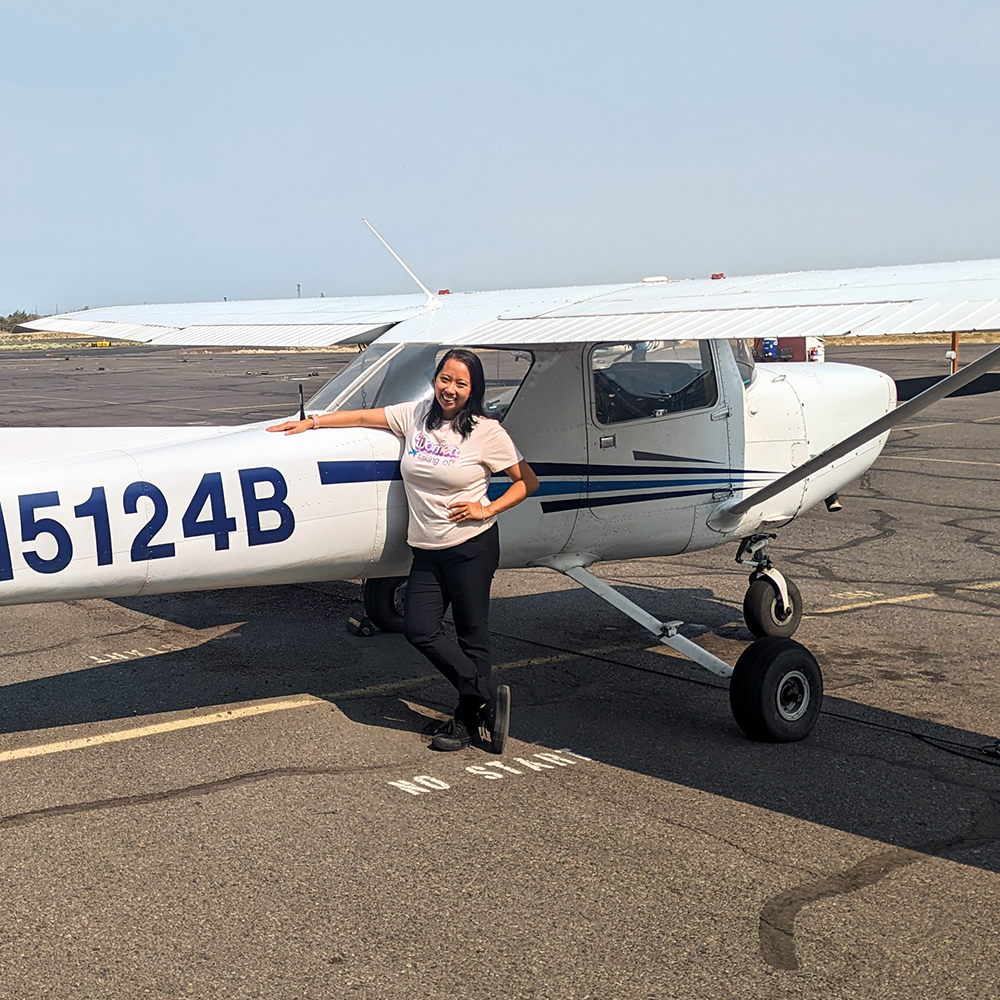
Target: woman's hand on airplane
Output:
{"points": [[292, 426]]}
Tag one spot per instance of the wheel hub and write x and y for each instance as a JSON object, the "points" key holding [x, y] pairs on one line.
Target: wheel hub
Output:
{"points": [[793, 695], [777, 615]]}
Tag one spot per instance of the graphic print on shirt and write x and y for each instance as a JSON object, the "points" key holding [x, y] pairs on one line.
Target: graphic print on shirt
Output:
{"points": [[440, 468], [426, 449]]}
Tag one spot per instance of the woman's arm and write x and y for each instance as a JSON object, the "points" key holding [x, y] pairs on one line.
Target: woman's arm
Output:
{"points": [[341, 418], [524, 483]]}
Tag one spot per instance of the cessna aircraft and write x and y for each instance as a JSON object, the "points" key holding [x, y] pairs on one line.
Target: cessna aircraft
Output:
{"points": [[638, 405]]}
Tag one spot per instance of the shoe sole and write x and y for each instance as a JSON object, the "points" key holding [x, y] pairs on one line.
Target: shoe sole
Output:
{"points": [[502, 721], [449, 745]]}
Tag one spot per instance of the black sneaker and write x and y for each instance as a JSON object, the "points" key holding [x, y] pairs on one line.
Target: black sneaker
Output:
{"points": [[497, 713], [452, 736], [435, 726]]}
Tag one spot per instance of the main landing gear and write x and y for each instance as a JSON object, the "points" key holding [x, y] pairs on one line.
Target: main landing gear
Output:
{"points": [[384, 602], [776, 687], [773, 604]]}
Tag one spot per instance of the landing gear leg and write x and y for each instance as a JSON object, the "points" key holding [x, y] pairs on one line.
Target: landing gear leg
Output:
{"points": [[773, 604], [775, 689]]}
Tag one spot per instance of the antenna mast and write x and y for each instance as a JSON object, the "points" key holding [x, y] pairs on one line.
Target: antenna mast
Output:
{"points": [[433, 302]]}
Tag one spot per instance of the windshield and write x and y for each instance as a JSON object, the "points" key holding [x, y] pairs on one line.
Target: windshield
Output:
{"points": [[399, 373], [743, 353]]}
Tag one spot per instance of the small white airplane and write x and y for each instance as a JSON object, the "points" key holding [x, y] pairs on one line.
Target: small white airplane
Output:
{"points": [[638, 405]]}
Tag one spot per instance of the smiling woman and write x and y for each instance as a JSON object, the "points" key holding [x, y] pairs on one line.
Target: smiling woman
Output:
{"points": [[451, 448]]}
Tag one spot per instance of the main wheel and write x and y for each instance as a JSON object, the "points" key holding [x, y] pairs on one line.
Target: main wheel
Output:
{"points": [[384, 600], [776, 691], [760, 609]]}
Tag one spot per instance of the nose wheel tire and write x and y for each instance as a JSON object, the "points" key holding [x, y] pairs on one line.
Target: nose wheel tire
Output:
{"points": [[384, 600], [776, 691], [760, 609]]}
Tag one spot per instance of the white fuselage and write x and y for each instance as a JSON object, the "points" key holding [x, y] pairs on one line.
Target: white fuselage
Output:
{"points": [[105, 512]]}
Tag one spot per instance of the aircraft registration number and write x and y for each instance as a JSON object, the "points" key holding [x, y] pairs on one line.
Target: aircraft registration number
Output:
{"points": [[206, 514]]}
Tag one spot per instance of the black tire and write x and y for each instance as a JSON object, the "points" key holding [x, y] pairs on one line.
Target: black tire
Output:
{"points": [[501, 726], [776, 691], [384, 602], [760, 609]]}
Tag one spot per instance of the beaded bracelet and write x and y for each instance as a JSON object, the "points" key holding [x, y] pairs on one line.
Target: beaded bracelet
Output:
{"points": [[314, 417]]}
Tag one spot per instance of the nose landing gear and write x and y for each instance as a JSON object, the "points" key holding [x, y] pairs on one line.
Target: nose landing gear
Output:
{"points": [[775, 689], [772, 605]]}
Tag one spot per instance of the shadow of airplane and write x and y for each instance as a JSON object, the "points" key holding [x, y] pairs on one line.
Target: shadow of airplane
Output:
{"points": [[868, 772]]}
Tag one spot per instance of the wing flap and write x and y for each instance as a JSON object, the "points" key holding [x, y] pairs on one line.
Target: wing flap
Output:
{"points": [[708, 324]]}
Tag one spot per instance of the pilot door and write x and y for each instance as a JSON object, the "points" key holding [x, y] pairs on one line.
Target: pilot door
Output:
{"points": [[658, 443]]}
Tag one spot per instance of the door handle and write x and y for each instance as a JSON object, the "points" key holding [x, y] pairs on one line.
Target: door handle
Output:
{"points": [[608, 441]]}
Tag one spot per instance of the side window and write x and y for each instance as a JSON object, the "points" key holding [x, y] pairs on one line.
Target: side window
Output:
{"points": [[644, 379], [505, 370]]}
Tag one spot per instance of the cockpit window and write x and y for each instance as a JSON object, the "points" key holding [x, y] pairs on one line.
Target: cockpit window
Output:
{"points": [[651, 378], [396, 373]]}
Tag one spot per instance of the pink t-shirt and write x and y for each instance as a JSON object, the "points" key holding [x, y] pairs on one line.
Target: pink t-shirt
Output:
{"points": [[439, 468]]}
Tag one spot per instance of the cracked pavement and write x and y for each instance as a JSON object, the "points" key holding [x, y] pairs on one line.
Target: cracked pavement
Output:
{"points": [[632, 844]]}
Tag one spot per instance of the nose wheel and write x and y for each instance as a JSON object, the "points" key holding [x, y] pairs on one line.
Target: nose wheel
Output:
{"points": [[766, 613], [772, 604]]}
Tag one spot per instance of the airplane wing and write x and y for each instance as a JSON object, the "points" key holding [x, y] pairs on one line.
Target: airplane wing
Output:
{"points": [[298, 322], [962, 297], [264, 323]]}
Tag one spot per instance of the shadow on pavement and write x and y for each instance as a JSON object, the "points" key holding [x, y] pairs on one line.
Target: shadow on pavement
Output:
{"points": [[875, 774]]}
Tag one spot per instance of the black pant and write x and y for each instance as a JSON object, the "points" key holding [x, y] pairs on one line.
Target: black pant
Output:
{"points": [[459, 576]]}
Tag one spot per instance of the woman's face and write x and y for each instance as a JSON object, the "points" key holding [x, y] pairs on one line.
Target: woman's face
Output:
{"points": [[452, 387]]}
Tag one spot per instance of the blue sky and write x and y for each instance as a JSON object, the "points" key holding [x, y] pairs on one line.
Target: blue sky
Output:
{"points": [[189, 151]]}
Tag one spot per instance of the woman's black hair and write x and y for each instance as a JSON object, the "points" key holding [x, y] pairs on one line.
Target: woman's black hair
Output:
{"points": [[465, 419]]}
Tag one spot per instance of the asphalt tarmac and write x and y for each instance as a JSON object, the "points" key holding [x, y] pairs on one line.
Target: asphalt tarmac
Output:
{"points": [[226, 794]]}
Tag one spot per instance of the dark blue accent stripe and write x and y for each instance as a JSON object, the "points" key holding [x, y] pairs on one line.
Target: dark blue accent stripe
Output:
{"points": [[653, 456], [711, 481], [582, 469], [553, 506], [357, 472]]}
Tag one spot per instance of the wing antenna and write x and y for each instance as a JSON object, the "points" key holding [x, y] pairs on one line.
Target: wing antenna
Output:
{"points": [[433, 302], [728, 514]]}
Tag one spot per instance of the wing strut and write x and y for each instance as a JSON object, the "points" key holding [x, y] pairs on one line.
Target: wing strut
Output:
{"points": [[728, 514]]}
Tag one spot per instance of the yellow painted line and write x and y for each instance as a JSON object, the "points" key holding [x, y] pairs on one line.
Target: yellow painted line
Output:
{"points": [[945, 461], [138, 732], [991, 585], [920, 427], [871, 604], [413, 683]]}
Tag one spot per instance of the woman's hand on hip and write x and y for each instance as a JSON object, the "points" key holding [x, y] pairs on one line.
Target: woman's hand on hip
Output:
{"points": [[459, 512]]}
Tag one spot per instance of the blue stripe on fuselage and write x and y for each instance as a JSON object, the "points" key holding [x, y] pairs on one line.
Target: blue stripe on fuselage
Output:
{"points": [[384, 471], [357, 472]]}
